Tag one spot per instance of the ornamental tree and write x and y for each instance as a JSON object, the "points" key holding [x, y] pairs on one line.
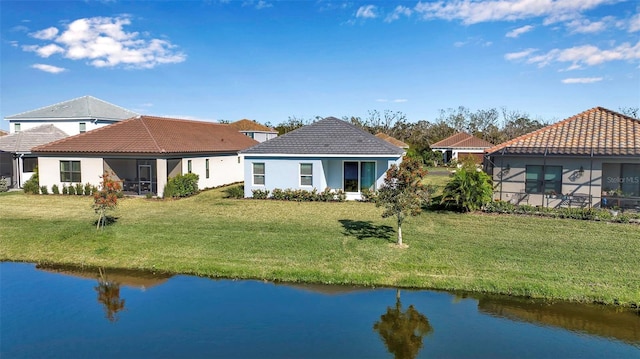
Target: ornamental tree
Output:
{"points": [[403, 192], [106, 198]]}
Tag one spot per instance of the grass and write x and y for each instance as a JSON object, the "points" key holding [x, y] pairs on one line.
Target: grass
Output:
{"points": [[344, 243]]}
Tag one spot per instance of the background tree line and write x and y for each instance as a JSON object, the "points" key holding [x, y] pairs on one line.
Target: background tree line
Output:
{"points": [[493, 125]]}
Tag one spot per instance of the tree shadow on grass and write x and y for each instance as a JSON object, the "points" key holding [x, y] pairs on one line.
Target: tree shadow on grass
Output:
{"points": [[366, 229], [109, 220]]}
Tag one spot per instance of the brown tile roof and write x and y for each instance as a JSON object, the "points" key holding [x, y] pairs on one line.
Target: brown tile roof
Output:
{"points": [[462, 140], [391, 140], [248, 125], [153, 135], [597, 131], [3, 133]]}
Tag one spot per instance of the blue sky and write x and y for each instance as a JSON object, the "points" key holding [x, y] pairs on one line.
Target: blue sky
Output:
{"points": [[268, 60]]}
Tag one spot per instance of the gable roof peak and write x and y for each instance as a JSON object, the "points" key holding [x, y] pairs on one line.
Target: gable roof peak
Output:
{"points": [[84, 107]]}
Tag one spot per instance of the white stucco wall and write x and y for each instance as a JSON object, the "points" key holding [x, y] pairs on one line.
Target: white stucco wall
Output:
{"points": [[49, 170], [70, 127], [223, 169]]}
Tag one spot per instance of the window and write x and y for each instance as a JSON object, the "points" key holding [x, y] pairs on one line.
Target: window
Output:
{"points": [[206, 165], [29, 164], [70, 171], [306, 174], [188, 166], [83, 127], [359, 176], [250, 134], [258, 174], [16, 128], [543, 179]]}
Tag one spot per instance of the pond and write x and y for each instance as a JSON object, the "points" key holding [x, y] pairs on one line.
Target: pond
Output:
{"points": [[50, 312]]}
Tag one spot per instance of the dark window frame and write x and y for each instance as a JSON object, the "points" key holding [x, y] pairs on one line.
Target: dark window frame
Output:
{"points": [[69, 175], [542, 185]]}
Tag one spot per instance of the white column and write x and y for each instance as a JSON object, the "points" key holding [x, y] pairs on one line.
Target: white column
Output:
{"points": [[161, 175]]}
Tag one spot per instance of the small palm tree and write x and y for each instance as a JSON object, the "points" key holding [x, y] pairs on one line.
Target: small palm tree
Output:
{"points": [[469, 189]]}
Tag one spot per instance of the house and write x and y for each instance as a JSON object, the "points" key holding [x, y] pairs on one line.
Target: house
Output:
{"points": [[254, 130], [394, 141], [16, 160], [144, 152], [73, 116], [462, 145], [590, 159], [329, 153]]}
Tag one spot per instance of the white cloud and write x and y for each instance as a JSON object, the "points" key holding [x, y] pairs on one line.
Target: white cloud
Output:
{"points": [[459, 43], [634, 23], [397, 12], [519, 55], [43, 51], [48, 68], [104, 42], [46, 34], [472, 12], [367, 12], [580, 56], [400, 100], [382, 100], [586, 26], [519, 31], [581, 80]]}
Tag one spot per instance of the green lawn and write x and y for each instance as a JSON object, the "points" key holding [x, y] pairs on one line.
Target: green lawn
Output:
{"points": [[331, 243]]}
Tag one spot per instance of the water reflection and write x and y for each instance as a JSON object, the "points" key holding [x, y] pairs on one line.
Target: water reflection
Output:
{"points": [[402, 332], [603, 321], [109, 282], [109, 296]]}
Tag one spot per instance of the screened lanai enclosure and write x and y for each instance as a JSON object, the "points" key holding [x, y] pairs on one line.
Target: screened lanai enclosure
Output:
{"points": [[140, 176]]}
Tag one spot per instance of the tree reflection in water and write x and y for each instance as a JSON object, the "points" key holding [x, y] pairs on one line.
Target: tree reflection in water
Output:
{"points": [[109, 297], [402, 332]]}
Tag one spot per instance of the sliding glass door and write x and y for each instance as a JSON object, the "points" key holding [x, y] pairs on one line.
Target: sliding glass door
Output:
{"points": [[359, 175]]}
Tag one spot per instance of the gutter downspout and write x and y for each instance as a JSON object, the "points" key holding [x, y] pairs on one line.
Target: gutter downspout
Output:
{"points": [[591, 178], [544, 169]]}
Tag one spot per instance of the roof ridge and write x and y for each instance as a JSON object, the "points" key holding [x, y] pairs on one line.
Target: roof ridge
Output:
{"points": [[43, 107], [151, 135]]}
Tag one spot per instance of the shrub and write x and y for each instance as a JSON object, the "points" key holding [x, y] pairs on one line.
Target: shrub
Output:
{"points": [[260, 193], [4, 184], [181, 186], [79, 189], [72, 189], [469, 189], [55, 189], [369, 195], [88, 189], [32, 186], [94, 189], [44, 190], [65, 189], [235, 191]]}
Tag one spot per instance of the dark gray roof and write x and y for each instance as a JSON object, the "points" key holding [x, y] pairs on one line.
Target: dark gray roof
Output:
{"points": [[329, 136], [24, 141], [86, 107]]}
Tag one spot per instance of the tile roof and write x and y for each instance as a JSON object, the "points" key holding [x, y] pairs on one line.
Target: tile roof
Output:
{"points": [[248, 125], [153, 135], [597, 131], [3, 133], [462, 140], [329, 136], [86, 107], [392, 140], [24, 141]]}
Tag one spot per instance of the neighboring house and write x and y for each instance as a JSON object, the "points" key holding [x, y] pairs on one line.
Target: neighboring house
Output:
{"points": [[329, 153], [16, 160], [73, 117], [145, 151], [393, 141], [254, 130], [460, 146], [592, 158]]}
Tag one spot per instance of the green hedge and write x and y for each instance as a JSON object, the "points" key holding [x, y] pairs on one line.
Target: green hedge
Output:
{"points": [[181, 186], [589, 214]]}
